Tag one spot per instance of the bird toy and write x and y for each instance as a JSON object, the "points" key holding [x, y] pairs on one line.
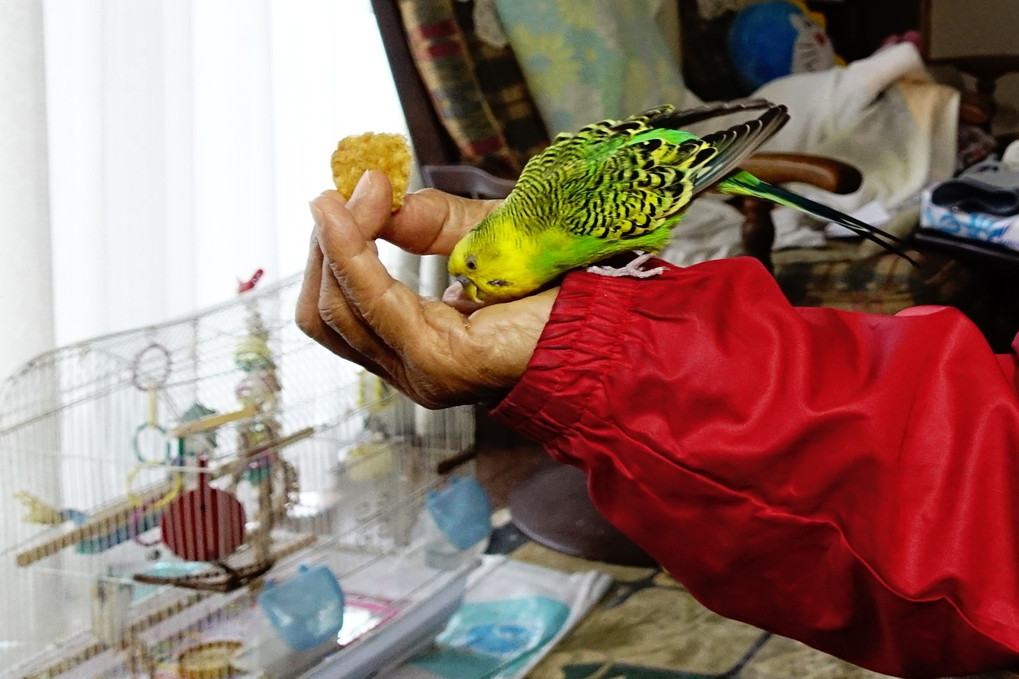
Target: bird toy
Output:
{"points": [[205, 523], [151, 382]]}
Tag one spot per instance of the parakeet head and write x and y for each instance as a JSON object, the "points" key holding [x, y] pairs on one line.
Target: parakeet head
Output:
{"points": [[495, 264], [485, 270]]}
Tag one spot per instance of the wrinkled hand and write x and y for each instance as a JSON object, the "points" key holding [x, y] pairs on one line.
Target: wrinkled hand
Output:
{"points": [[425, 347]]}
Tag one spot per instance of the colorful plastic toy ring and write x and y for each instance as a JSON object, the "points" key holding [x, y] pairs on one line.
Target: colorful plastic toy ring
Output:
{"points": [[137, 447], [136, 365], [148, 504], [138, 525]]}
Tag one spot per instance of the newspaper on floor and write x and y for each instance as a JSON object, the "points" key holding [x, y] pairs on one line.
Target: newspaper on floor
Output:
{"points": [[513, 614]]}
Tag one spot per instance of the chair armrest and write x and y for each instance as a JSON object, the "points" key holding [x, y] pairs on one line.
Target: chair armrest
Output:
{"points": [[466, 180], [976, 109], [986, 68], [827, 174], [979, 108]]}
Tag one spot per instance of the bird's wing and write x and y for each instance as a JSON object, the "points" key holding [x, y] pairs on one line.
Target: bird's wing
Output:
{"points": [[686, 119], [587, 143], [623, 179], [640, 187], [738, 142]]}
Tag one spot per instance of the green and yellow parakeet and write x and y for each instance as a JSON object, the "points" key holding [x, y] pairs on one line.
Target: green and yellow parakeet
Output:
{"points": [[616, 186]]}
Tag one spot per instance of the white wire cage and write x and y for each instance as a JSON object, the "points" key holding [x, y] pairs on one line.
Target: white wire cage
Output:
{"points": [[152, 479]]}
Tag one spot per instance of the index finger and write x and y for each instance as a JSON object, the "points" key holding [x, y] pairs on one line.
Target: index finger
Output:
{"points": [[431, 222]]}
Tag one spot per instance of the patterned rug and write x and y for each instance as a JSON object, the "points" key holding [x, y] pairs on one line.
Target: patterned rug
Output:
{"points": [[649, 627]]}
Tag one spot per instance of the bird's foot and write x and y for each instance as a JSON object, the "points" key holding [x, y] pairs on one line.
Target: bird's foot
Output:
{"points": [[631, 270]]}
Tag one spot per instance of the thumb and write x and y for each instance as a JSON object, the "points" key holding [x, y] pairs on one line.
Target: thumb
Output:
{"points": [[371, 203]]}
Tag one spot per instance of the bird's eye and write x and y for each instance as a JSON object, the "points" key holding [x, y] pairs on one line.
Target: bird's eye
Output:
{"points": [[472, 262]]}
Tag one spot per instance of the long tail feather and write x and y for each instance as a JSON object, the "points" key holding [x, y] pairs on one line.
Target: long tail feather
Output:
{"points": [[744, 184]]}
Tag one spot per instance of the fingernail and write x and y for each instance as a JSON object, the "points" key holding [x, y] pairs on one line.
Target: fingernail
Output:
{"points": [[363, 184], [316, 212]]}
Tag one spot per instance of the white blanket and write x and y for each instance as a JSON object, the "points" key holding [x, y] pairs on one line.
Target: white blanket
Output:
{"points": [[884, 115]]}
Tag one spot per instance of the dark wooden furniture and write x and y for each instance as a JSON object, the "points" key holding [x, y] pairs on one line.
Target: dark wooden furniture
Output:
{"points": [[857, 29], [968, 53]]}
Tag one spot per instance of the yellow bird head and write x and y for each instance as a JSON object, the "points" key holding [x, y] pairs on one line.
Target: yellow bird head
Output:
{"points": [[495, 264]]}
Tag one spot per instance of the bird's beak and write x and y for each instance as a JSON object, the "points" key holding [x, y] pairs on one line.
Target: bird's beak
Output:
{"points": [[470, 289]]}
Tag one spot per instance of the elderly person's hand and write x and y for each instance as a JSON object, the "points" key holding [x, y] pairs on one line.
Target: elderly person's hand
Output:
{"points": [[425, 347]]}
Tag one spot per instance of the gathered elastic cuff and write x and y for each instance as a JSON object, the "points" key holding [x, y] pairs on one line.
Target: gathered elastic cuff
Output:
{"points": [[576, 348]]}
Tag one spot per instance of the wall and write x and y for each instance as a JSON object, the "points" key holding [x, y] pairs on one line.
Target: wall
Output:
{"points": [[668, 19]]}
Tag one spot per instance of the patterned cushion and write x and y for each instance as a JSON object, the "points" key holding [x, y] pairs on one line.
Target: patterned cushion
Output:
{"points": [[879, 284], [886, 284], [504, 88], [478, 91], [586, 60]]}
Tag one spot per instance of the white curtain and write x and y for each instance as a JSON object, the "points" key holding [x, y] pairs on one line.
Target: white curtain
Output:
{"points": [[25, 280], [186, 138]]}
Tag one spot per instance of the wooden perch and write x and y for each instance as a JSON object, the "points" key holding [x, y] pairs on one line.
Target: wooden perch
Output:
{"points": [[108, 519], [102, 523], [212, 422], [282, 442]]}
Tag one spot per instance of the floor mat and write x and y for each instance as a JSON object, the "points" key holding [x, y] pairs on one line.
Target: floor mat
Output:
{"points": [[649, 627]]}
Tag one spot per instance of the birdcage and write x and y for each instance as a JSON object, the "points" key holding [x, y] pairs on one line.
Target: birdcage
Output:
{"points": [[153, 481]]}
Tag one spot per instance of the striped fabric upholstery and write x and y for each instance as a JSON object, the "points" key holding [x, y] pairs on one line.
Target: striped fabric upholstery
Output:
{"points": [[877, 284], [478, 90]]}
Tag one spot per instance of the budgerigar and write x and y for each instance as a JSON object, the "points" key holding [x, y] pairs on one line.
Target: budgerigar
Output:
{"points": [[616, 186]]}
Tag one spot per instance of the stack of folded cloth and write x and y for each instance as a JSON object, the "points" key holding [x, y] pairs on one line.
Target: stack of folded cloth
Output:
{"points": [[981, 204]]}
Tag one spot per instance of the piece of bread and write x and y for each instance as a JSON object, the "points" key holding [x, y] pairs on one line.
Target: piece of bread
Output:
{"points": [[383, 151]]}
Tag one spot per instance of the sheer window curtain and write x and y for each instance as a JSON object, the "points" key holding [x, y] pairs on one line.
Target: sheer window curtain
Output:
{"points": [[186, 138], [156, 151], [25, 277]]}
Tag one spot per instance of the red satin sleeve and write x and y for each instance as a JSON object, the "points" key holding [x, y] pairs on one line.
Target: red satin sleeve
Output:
{"points": [[844, 479]]}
